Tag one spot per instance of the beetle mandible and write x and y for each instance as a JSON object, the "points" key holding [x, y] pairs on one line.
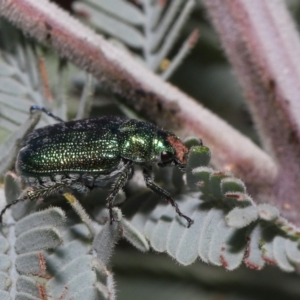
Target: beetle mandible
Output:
{"points": [[99, 152]]}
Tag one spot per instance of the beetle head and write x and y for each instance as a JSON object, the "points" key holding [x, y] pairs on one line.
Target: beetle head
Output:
{"points": [[175, 151]]}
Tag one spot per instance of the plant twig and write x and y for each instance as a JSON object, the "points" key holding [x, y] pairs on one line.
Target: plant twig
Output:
{"points": [[263, 46]]}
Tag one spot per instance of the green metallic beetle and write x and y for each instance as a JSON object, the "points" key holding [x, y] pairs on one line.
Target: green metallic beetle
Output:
{"points": [[99, 152]]}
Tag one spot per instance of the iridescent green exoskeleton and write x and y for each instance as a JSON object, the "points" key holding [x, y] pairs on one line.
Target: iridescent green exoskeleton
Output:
{"points": [[99, 152]]}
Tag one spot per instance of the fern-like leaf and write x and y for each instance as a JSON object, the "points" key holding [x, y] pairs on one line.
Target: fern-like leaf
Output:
{"points": [[160, 23], [228, 228], [32, 270], [20, 88]]}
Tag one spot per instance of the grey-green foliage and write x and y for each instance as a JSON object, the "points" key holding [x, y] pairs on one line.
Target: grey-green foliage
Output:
{"points": [[152, 29], [19, 85], [32, 267], [47, 253], [20, 88], [20, 79], [228, 228]]}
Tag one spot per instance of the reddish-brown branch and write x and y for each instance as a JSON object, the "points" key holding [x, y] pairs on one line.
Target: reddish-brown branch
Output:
{"points": [[263, 46], [141, 89]]}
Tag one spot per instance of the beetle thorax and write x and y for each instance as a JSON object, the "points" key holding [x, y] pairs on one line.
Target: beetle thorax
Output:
{"points": [[140, 142]]}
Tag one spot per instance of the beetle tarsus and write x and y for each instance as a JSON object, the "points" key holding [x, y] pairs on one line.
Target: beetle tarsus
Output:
{"points": [[178, 211], [189, 220], [7, 207]]}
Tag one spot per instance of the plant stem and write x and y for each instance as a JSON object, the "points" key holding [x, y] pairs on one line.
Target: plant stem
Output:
{"points": [[263, 46]]}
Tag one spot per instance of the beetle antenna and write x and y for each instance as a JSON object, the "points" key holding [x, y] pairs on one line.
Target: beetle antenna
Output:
{"points": [[8, 206], [46, 111]]}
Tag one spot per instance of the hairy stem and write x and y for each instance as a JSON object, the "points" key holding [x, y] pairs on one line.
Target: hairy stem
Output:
{"points": [[263, 46]]}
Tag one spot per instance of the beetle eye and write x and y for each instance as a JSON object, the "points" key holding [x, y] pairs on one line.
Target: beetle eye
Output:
{"points": [[166, 156]]}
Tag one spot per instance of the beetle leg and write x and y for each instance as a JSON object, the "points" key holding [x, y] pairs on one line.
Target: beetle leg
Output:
{"points": [[118, 185], [46, 111], [165, 195], [8, 206], [46, 191], [33, 195]]}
